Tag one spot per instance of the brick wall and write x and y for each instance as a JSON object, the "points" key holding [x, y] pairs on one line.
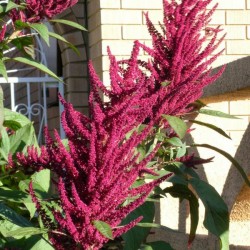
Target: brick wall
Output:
{"points": [[75, 66]]}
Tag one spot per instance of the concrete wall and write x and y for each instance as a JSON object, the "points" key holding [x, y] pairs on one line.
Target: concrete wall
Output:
{"points": [[118, 24]]}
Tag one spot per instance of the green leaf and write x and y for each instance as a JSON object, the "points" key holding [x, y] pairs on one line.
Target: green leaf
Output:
{"points": [[10, 215], [11, 5], [148, 225], [35, 64], [165, 84], [58, 37], [3, 70], [216, 113], [42, 178], [25, 231], [1, 108], [104, 229], [70, 23], [229, 157], [18, 119], [177, 124], [42, 30], [12, 195], [22, 138], [216, 211], [175, 141], [136, 235], [181, 151], [157, 245], [211, 126], [5, 144], [35, 242]]}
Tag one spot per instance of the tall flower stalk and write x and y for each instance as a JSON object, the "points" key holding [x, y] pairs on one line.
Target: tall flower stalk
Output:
{"points": [[97, 172]]}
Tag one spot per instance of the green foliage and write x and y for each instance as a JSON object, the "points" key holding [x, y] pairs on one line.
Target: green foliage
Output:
{"points": [[216, 113], [178, 125], [137, 235], [104, 229]]}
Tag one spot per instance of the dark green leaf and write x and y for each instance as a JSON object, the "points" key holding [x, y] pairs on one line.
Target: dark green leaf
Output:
{"points": [[35, 242], [182, 191], [211, 126], [104, 228], [177, 124], [216, 113], [136, 235], [157, 245], [70, 23], [216, 211], [12, 195], [10, 215], [229, 157]]}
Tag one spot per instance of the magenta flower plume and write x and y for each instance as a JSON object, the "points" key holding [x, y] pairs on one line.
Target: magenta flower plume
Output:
{"points": [[95, 175], [178, 69], [96, 172], [37, 10]]}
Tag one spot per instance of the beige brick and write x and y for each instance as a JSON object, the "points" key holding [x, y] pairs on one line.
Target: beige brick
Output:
{"points": [[106, 62], [248, 32], [238, 17], [119, 48], [238, 47], [121, 17], [135, 32], [241, 107], [155, 16], [110, 4], [141, 4], [111, 32], [228, 4], [234, 31], [221, 106], [218, 17]]}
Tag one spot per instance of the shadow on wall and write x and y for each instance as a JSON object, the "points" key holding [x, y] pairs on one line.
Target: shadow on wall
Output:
{"points": [[236, 77], [234, 84]]}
